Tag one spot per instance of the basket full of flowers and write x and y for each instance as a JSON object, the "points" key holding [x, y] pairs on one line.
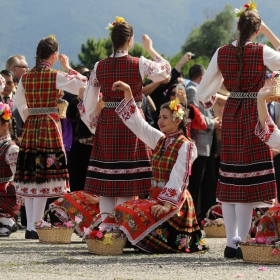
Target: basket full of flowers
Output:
{"points": [[58, 234], [214, 228], [104, 240]]}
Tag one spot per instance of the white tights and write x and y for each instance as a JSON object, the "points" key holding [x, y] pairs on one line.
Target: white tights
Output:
{"points": [[107, 204], [34, 208], [237, 218]]}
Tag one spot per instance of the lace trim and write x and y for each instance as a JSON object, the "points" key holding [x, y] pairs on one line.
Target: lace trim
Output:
{"points": [[264, 134]]}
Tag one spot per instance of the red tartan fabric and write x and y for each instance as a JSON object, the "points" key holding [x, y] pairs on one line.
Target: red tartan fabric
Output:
{"points": [[163, 161], [120, 163], [5, 170], [246, 170], [41, 158], [8, 205]]}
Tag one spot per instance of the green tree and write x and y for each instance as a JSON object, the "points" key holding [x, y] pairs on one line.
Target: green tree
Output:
{"points": [[93, 51], [213, 33]]}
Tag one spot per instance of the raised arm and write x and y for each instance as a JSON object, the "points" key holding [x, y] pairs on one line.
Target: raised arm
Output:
{"points": [[266, 129], [132, 118]]}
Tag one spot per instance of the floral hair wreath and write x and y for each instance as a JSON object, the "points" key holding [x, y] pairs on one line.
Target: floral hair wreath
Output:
{"points": [[176, 109], [252, 5], [111, 26], [5, 111]]}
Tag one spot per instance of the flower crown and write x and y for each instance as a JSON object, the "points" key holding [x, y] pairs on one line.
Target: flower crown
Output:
{"points": [[176, 109], [111, 26], [250, 6], [5, 111]]}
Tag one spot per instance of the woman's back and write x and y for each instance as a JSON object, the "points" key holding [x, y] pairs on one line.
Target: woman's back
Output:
{"points": [[126, 69], [40, 88], [252, 76]]}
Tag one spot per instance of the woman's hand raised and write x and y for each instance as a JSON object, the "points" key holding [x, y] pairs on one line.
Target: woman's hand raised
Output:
{"points": [[119, 85], [147, 42]]}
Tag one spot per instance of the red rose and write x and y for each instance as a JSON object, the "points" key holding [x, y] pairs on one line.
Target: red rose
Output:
{"points": [[246, 6], [93, 233], [114, 23]]}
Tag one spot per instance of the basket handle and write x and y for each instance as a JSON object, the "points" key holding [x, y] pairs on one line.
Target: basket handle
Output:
{"points": [[52, 208], [93, 225], [211, 208]]}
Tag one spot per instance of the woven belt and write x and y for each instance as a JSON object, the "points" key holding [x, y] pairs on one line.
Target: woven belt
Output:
{"points": [[6, 179], [243, 94], [43, 111], [154, 183], [116, 104]]}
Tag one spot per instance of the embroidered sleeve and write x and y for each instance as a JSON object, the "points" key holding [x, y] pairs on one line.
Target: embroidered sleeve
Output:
{"points": [[2, 83], [11, 157], [132, 118], [179, 176], [71, 81], [89, 108], [20, 102], [210, 83], [156, 70], [270, 134]]}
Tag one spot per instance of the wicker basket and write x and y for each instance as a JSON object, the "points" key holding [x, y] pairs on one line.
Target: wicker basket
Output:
{"points": [[62, 105], [275, 94], [260, 253], [214, 230], [96, 246], [55, 235]]}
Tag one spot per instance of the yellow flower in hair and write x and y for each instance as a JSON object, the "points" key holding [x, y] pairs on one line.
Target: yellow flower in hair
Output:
{"points": [[173, 104], [6, 116], [119, 19], [52, 36], [252, 6]]}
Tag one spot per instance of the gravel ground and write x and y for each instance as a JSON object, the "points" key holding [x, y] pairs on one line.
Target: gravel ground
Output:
{"points": [[25, 259]]}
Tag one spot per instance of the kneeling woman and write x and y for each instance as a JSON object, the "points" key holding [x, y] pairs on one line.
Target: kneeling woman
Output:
{"points": [[165, 222]]}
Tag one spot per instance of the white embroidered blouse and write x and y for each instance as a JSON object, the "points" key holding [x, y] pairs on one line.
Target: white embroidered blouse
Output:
{"points": [[156, 70], [11, 154], [213, 79], [270, 135], [178, 180], [70, 82]]}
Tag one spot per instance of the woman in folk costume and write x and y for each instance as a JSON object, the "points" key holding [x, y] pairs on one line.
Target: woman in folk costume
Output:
{"points": [[166, 222], [246, 168], [120, 163], [41, 167], [8, 159]]}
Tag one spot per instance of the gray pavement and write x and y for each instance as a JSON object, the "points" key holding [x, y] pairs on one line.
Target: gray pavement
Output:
{"points": [[28, 260]]}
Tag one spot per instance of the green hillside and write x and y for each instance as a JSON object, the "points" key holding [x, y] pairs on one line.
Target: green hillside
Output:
{"points": [[168, 22]]}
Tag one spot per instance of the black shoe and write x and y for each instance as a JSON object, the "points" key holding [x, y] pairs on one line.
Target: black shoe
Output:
{"points": [[11, 229], [27, 234], [239, 254], [33, 235], [230, 253]]}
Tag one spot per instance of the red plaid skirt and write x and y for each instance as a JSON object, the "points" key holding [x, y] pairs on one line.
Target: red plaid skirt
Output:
{"points": [[8, 205], [119, 165], [246, 170]]}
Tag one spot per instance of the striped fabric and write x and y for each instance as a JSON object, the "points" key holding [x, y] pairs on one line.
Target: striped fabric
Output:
{"points": [[120, 163], [246, 170], [41, 158]]}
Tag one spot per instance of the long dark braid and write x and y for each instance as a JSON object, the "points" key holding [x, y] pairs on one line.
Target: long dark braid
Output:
{"points": [[12, 126], [121, 33], [249, 22], [45, 48], [183, 124]]}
